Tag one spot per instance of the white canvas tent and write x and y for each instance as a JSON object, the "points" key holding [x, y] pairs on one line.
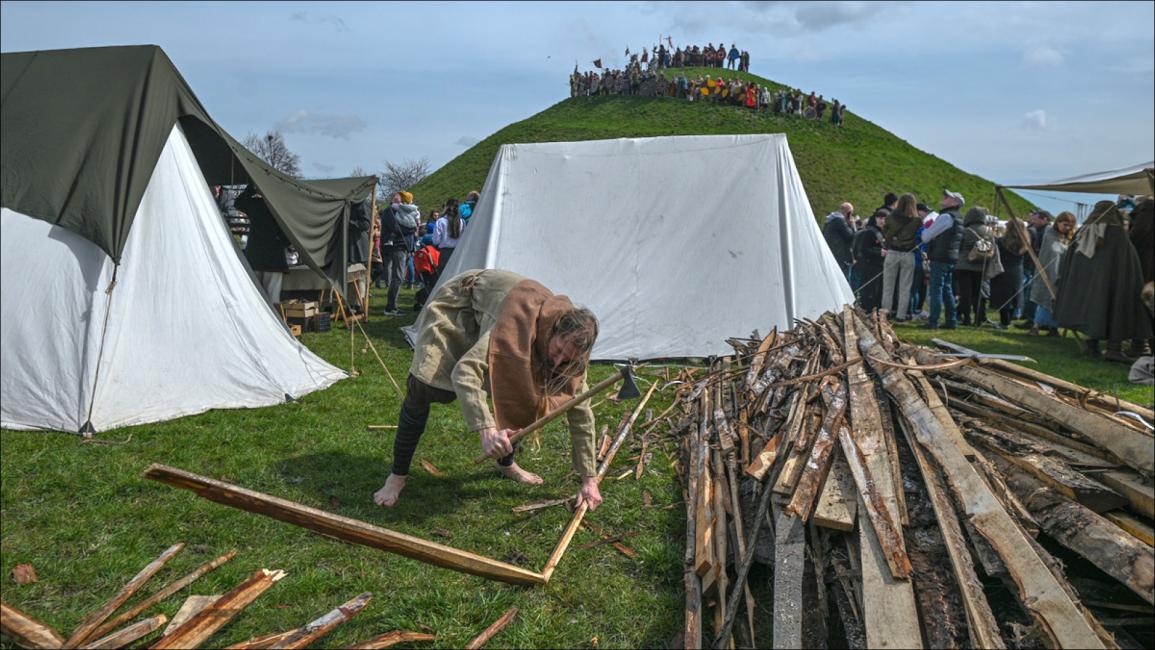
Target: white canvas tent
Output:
{"points": [[183, 331], [676, 243], [1136, 179]]}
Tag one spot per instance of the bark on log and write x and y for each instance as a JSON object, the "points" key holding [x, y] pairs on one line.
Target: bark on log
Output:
{"points": [[27, 631], [343, 528], [88, 626]]}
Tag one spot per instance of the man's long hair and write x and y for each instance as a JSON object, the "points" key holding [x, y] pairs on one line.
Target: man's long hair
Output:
{"points": [[581, 327]]}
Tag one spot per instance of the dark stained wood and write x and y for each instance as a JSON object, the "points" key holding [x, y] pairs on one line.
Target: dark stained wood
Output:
{"points": [[343, 528]]}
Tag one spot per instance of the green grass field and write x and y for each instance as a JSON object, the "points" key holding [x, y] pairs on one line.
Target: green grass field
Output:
{"points": [[84, 517]]}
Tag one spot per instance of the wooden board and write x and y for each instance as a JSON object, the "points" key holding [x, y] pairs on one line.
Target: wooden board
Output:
{"points": [[1140, 494], [1136, 527], [838, 503], [789, 564], [1040, 592], [27, 631], [188, 609], [343, 528]]}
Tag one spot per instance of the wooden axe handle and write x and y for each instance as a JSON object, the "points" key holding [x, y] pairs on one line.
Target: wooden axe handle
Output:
{"points": [[552, 415]]}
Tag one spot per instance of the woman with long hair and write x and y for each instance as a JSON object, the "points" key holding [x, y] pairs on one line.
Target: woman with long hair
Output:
{"points": [[446, 232], [901, 244], [1056, 238]]}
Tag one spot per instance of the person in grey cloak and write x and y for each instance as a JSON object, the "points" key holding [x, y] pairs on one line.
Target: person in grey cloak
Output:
{"points": [[1055, 240], [1101, 284]]}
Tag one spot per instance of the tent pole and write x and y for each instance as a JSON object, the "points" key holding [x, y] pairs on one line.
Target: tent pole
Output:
{"points": [[87, 429], [1041, 272], [369, 267]]}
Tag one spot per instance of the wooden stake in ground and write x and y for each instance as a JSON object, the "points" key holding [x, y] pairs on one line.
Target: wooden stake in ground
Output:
{"points": [[390, 639], [122, 638], [493, 629], [26, 630], [85, 630], [343, 528], [163, 594], [208, 621]]}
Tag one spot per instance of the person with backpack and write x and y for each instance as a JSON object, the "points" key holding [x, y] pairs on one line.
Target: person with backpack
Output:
{"points": [[976, 252], [425, 261], [398, 222]]}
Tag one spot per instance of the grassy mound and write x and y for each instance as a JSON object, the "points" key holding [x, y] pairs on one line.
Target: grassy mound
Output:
{"points": [[858, 162]]}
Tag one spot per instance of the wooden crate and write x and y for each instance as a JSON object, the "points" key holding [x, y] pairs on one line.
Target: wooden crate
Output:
{"points": [[299, 309]]}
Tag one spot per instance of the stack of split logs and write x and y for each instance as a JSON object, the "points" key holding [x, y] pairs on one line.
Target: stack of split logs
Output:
{"points": [[904, 499]]}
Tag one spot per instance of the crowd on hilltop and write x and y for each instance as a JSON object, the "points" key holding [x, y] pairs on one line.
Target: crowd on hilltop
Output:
{"points": [[407, 249], [646, 76], [1093, 279]]}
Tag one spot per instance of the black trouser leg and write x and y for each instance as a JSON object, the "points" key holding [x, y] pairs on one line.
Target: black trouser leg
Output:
{"points": [[411, 423]]}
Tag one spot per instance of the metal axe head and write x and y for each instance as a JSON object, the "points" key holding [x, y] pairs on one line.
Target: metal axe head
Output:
{"points": [[629, 389]]}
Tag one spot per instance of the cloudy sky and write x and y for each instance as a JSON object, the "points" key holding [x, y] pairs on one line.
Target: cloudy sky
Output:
{"points": [[1015, 92]]}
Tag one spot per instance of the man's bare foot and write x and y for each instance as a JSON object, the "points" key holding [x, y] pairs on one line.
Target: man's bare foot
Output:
{"points": [[387, 496], [520, 475]]}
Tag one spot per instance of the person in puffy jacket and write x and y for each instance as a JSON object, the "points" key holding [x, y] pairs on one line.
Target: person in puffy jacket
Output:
{"points": [[943, 239], [839, 235]]}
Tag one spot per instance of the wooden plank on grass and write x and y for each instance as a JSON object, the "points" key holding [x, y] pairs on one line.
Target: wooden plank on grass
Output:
{"points": [[317, 628], [491, 631], [211, 619], [838, 503], [1038, 590], [191, 606], [390, 639], [122, 638], [343, 528], [85, 629], [26, 630]]}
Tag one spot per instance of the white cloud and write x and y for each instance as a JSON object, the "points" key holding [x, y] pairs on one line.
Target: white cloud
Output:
{"points": [[1035, 120], [1042, 55], [333, 126]]}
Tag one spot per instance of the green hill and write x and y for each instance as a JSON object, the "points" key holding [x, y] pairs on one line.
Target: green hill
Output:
{"points": [[858, 162]]}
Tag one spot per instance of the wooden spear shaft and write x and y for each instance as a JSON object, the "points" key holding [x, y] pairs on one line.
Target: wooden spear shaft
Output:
{"points": [[553, 415], [580, 513]]}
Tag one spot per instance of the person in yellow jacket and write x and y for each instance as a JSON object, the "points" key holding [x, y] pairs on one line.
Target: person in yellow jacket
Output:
{"points": [[496, 334]]}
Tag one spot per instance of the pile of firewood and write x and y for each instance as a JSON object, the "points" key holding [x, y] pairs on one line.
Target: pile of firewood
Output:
{"points": [[904, 499]]}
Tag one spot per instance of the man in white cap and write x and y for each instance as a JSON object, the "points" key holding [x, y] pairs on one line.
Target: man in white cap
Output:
{"points": [[943, 239]]}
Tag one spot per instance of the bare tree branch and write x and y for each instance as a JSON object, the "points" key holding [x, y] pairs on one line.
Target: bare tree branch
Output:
{"points": [[402, 176], [273, 150]]}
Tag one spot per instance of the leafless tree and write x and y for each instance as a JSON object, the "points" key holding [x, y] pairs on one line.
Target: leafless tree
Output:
{"points": [[397, 177], [358, 172], [273, 150]]}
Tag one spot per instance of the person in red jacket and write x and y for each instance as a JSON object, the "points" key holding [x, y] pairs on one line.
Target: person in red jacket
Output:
{"points": [[425, 261]]}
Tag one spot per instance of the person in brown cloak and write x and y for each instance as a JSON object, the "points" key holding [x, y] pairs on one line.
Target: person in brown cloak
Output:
{"points": [[1102, 281], [495, 333]]}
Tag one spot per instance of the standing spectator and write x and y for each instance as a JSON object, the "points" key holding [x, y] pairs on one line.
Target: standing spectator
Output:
{"points": [[839, 235], [869, 252], [901, 245], [820, 108], [1142, 236], [1102, 280], [1007, 286], [734, 54], [888, 202], [378, 271], [834, 112], [426, 260], [398, 220], [446, 232], [1054, 244], [975, 252], [466, 209], [918, 287], [944, 237], [1037, 222]]}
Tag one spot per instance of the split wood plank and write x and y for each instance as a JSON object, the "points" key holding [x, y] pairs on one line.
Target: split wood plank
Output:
{"points": [[692, 616], [1052, 472], [164, 593], [740, 535], [804, 441], [1071, 449], [1039, 590], [1135, 526], [494, 628], [838, 504], [211, 619], [26, 630], [85, 629], [575, 522], [122, 638], [789, 563], [1074, 390], [261, 642], [1076, 527], [318, 628], [890, 614], [1133, 447], [390, 639], [818, 465], [982, 627], [1140, 493], [721, 531], [343, 528], [888, 436], [192, 606]]}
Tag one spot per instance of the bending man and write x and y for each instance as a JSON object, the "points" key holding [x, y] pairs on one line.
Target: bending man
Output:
{"points": [[498, 332]]}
